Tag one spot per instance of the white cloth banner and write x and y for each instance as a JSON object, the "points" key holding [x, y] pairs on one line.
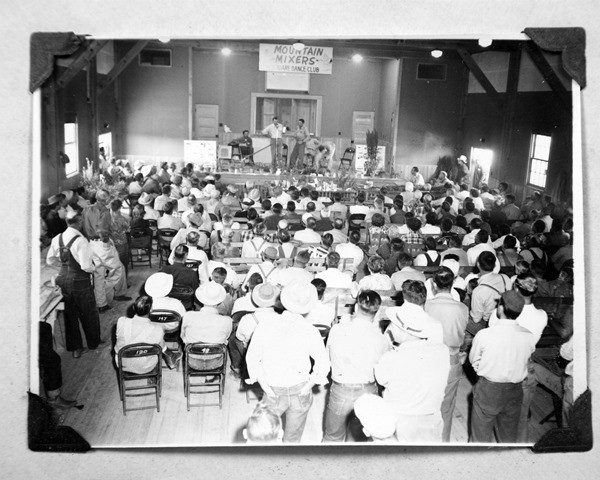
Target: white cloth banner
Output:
{"points": [[200, 152], [284, 58]]}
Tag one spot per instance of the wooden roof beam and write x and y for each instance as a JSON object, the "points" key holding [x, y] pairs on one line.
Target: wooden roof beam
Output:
{"points": [[481, 78], [80, 62], [122, 65], [547, 72]]}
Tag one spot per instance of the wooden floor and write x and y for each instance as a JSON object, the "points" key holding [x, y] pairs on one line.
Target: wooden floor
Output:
{"points": [[92, 380]]}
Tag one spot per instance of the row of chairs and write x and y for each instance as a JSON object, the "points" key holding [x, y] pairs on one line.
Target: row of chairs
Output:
{"points": [[201, 361]]}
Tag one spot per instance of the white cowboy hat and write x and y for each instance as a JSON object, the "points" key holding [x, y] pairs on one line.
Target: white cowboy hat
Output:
{"points": [[265, 295], [299, 297], [210, 294], [410, 318], [159, 284], [376, 415]]}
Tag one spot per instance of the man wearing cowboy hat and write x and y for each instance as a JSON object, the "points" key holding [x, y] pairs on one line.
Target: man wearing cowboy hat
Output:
{"points": [[206, 325], [282, 366], [499, 356], [151, 184], [263, 296], [147, 200], [453, 316], [354, 348], [415, 375], [75, 284]]}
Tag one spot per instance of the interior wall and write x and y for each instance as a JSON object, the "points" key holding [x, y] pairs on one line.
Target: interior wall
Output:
{"points": [[386, 111], [154, 107], [429, 113], [535, 112]]}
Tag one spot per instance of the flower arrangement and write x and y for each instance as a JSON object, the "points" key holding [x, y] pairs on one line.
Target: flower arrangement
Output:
{"points": [[92, 181]]}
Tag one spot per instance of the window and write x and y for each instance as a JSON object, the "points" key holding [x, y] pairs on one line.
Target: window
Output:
{"points": [[288, 108], [540, 154], [71, 149], [155, 57]]}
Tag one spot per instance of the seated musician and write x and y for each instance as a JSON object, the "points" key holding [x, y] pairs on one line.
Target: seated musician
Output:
{"points": [[246, 148]]}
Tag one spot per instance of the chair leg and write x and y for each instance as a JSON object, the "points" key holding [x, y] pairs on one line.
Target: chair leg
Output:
{"points": [[157, 398]]}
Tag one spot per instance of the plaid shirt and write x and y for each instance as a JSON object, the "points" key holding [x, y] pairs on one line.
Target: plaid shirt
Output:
{"points": [[412, 237], [246, 235]]}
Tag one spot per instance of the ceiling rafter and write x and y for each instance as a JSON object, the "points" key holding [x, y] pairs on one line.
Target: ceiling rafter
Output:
{"points": [[481, 78], [80, 61], [121, 66]]}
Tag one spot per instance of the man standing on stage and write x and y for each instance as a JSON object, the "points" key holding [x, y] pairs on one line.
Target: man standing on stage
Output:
{"points": [[275, 132], [301, 135]]}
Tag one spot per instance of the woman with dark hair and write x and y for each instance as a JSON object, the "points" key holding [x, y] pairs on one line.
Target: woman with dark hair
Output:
{"points": [[140, 329]]}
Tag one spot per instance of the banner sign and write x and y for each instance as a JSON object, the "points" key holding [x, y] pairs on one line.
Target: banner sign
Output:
{"points": [[284, 58], [200, 152]]}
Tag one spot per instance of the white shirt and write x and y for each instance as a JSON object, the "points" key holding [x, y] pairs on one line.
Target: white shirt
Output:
{"points": [[273, 131], [359, 209], [248, 322], [415, 376], [231, 278], [474, 252], [205, 326], [281, 349], [307, 236], [376, 281], [349, 250], [321, 314], [264, 269], [80, 249], [531, 318], [501, 353], [243, 304], [138, 330], [334, 278], [283, 276]]}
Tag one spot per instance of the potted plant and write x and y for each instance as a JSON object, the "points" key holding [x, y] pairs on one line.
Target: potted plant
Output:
{"points": [[372, 162]]}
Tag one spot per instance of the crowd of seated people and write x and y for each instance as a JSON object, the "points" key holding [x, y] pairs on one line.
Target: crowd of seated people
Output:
{"points": [[463, 271]]}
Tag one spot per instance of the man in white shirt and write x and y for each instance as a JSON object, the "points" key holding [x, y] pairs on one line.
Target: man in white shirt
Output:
{"points": [[406, 271], [481, 245], [264, 269], [283, 275], [499, 356], [301, 135], [333, 276], [535, 320], [416, 178], [415, 375], [275, 132], [352, 250], [158, 286], [453, 316], [354, 348], [415, 295], [308, 235], [337, 232], [279, 358]]}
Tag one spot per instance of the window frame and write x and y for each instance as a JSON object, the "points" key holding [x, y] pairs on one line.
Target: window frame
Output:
{"points": [[533, 159], [71, 149], [318, 114]]}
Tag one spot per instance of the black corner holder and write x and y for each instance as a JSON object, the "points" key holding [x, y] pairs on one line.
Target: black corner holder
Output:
{"points": [[577, 437]]}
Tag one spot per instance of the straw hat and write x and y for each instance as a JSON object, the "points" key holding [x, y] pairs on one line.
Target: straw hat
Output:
{"points": [[146, 169], [270, 253], [210, 294], [159, 285], [265, 295], [254, 194], [146, 198], [410, 318], [299, 297]]}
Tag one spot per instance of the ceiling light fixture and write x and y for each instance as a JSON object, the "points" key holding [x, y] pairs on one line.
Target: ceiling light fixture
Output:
{"points": [[298, 45], [226, 51], [357, 57], [485, 42], [436, 53], [164, 39]]}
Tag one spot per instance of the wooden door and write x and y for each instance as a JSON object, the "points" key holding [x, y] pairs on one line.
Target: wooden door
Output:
{"points": [[361, 122], [206, 121]]}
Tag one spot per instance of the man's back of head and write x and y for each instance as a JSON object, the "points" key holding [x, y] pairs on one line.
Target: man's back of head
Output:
{"points": [[414, 291]]}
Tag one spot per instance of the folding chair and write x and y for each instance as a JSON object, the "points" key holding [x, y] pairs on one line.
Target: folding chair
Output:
{"points": [[168, 316], [164, 238], [140, 351], [140, 240], [347, 157], [207, 362], [184, 294]]}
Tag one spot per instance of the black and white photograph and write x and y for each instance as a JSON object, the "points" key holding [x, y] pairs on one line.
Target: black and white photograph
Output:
{"points": [[338, 241]]}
